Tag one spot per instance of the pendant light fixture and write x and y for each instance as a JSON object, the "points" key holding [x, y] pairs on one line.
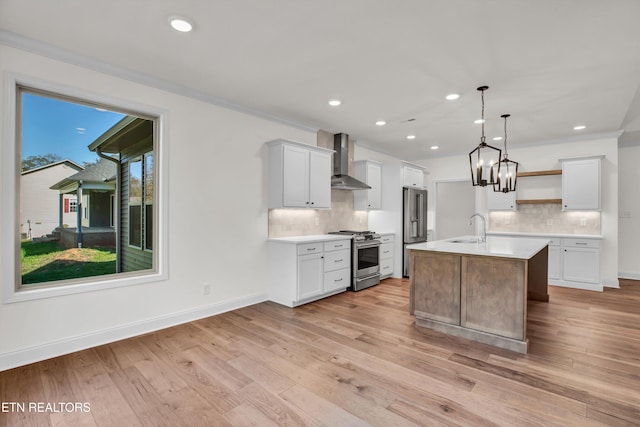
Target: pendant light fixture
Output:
{"points": [[507, 170], [484, 158]]}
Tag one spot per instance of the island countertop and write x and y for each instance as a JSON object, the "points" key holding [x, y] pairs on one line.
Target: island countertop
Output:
{"points": [[494, 246]]}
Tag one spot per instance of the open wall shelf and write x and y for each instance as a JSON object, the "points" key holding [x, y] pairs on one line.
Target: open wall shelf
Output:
{"points": [[538, 201], [540, 173]]}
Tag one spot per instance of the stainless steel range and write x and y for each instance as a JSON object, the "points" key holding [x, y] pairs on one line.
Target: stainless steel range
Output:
{"points": [[365, 258]]}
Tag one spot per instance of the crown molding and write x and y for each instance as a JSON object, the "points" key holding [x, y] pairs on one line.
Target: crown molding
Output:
{"points": [[17, 41]]}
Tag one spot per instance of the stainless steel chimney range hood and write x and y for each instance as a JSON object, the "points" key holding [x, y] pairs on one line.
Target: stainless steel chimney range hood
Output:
{"points": [[341, 179]]}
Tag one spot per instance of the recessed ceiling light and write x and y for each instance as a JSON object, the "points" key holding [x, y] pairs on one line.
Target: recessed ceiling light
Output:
{"points": [[434, 147], [478, 121], [334, 102], [452, 96], [497, 138], [579, 127], [411, 137], [381, 123], [181, 24]]}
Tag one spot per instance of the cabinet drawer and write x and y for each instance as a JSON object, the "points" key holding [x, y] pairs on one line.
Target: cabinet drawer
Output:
{"points": [[339, 279], [337, 259], [581, 243], [386, 267], [310, 248], [337, 245], [388, 238], [386, 251]]}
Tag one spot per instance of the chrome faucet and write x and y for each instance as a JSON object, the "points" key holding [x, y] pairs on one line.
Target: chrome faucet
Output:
{"points": [[483, 236]]}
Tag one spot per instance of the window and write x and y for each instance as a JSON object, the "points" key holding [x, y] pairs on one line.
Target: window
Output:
{"points": [[77, 151]]}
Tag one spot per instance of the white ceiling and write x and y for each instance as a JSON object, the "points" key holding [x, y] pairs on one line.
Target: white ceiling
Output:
{"points": [[551, 64]]}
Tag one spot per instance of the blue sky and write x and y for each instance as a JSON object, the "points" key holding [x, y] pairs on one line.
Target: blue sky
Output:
{"points": [[53, 126]]}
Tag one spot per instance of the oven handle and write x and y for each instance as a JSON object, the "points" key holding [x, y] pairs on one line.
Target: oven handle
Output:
{"points": [[367, 245]]}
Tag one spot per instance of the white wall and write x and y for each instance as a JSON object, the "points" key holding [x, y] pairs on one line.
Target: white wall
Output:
{"points": [[543, 157], [217, 223], [629, 201]]}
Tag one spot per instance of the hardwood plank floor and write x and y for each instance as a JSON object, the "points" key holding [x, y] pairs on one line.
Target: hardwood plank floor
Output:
{"points": [[352, 359]]}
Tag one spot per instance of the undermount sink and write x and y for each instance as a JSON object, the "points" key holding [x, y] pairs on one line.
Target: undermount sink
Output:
{"points": [[464, 241]]}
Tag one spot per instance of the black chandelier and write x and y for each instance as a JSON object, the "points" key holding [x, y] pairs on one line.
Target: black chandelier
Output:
{"points": [[507, 170], [484, 160]]}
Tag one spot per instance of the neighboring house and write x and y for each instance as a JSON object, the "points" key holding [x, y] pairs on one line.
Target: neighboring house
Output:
{"points": [[39, 205], [94, 219], [130, 141]]}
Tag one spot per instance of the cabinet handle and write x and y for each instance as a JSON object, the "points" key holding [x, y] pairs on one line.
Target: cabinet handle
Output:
{"points": [[338, 280], [339, 260], [311, 249], [580, 243], [385, 252], [338, 246], [311, 202]]}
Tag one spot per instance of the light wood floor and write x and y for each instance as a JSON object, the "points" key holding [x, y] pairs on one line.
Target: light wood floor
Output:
{"points": [[349, 360]]}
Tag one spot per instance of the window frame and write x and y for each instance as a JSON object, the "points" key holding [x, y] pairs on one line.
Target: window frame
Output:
{"points": [[10, 275]]}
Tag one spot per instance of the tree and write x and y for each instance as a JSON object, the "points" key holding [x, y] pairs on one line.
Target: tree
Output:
{"points": [[37, 161]]}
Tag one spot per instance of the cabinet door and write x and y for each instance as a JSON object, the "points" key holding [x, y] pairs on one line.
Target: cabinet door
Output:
{"points": [[500, 201], [581, 184], [295, 176], [412, 177], [554, 262], [374, 179], [319, 180], [581, 265], [310, 275]]}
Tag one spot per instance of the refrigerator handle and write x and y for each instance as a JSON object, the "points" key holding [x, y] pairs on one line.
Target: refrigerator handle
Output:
{"points": [[419, 214]]}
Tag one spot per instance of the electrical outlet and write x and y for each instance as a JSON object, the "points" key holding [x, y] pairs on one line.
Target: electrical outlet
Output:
{"points": [[507, 220], [317, 221], [549, 221], [583, 222], [624, 214], [206, 289]]}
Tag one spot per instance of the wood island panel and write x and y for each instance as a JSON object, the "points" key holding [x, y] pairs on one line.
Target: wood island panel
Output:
{"points": [[493, 296], [435, 292]]}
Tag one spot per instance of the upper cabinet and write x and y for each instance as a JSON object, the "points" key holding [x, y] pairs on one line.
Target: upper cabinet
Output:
{"points": [[497, 201], [412, 175], [299, 175], [581, 183], [370, 173]]}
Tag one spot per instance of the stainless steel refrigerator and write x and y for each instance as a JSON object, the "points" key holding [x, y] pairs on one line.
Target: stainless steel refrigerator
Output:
{"points": [[414, 218]]}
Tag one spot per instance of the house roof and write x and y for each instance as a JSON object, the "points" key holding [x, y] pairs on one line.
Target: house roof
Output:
{"points": [[69, 163], [125, 133], [100, 172]]}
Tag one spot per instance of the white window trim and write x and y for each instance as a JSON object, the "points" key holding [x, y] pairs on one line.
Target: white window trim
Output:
{"points": [[10, 249]]}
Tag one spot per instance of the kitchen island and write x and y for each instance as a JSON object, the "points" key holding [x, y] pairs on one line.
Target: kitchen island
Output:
{"points": [[478, 290]]}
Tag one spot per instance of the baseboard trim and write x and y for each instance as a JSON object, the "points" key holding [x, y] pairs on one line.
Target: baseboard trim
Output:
{"points": [[631, 276], [58, 348], [577, 285]]}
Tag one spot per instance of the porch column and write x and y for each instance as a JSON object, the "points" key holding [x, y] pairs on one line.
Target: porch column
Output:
{"points": [[79, 214], [60, 210]]}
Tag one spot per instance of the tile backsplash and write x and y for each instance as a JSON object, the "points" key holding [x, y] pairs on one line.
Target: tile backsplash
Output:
{"points": [[545, 218]]}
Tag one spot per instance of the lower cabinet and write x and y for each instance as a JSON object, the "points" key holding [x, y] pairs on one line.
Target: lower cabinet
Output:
{"points": [[386, 255], [554, 259], [304, 272]]}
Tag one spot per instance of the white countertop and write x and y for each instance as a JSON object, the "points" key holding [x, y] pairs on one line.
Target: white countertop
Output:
{"points": [[522, 233], [495, 246], [310, 239]]}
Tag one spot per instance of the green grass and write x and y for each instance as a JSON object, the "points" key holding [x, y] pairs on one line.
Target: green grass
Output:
{"points": [[48, 261]]}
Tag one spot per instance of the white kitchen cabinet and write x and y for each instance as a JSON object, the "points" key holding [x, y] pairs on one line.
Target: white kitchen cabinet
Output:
{"points": [[310, 276], [581, 260], [581, 183], [370, 173], [386, 255], [574, 262], [412, 176], [302, 271], [497, 201], [554, 263], [299, 175]]}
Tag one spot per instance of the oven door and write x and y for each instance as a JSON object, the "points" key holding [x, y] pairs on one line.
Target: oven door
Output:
{"points": [[366, 258]]}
